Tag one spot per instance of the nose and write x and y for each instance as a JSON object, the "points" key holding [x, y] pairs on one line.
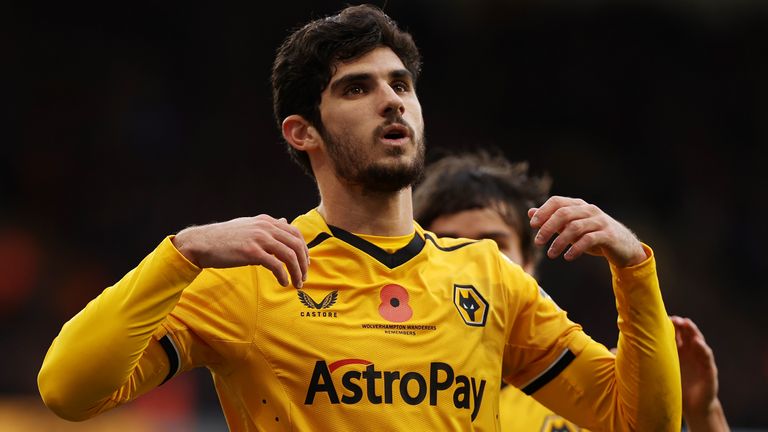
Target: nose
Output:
{"points": [[391, 102]]}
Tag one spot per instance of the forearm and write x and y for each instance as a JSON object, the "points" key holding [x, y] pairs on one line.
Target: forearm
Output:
{"points": [[98, 350], [647, 367], [639, 388], [711, 421]]}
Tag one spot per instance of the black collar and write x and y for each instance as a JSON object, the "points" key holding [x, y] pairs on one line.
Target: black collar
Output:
{"points": [[391, 260]]}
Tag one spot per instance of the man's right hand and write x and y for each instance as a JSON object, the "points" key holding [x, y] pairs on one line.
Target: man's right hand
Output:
{"points": [[259, 240]]}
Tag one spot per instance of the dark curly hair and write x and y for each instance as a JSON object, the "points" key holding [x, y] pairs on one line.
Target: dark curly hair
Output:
{"points": [[480, 180], [307, 59]]}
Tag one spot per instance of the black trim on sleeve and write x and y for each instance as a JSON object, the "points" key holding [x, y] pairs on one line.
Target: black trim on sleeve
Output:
{"points": [[450, 248], [550, 373], [173, 357], [391, 260], [319, 239]]}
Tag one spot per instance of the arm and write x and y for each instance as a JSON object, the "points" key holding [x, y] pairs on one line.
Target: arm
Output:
{"points": [[106, 355], [701, 407], [640, 389]]}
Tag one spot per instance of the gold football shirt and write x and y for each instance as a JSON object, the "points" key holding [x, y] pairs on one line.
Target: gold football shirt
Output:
{"points": [[521, 413], [418, 339]]}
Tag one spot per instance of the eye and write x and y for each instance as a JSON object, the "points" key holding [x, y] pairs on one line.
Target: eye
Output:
{"points": [[400, 87], [354, 90]]}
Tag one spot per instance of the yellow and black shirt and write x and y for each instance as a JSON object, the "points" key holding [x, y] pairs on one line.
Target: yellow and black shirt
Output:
{"points": [[417, 339], [521, 413]]}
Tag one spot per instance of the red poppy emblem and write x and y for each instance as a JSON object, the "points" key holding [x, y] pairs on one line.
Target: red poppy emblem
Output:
{"points": [[394, 304]]}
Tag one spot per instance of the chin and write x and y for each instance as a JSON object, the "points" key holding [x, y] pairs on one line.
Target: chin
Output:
{"points": [[396, 151], [391, 177]]}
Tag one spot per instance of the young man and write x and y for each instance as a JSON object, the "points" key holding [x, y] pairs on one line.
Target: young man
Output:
{"points": [[389, 328], [479, 196]]}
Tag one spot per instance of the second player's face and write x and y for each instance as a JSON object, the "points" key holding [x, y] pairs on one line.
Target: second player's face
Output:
{"points": [[372, 116], [478, 224]]}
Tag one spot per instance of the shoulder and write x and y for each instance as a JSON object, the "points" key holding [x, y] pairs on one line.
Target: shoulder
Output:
{"points": [[449, 244], [484, 250], [484, 253], [225, 291]]}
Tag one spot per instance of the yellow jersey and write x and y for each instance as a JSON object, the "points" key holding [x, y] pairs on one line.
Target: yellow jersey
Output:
{"points": [[418, 339], [521, 413]]}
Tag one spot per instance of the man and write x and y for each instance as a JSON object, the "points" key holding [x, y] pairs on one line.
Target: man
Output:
{"points": [[391, 328], [480, 196]]}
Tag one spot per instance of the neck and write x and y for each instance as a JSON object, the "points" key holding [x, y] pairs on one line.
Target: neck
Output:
{"points": [[354, 209]]}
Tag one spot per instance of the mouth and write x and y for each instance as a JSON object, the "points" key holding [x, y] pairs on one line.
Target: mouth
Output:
{"points": [[395, 134]]}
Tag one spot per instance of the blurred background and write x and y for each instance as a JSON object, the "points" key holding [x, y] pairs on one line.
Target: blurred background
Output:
{"points": [[123, 123]]}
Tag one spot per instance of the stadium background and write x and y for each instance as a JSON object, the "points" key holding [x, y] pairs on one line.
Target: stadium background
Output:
{"points": [[122, 123]]}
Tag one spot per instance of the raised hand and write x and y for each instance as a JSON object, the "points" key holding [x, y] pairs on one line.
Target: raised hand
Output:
{"points": [[701, 407], [259, 240], [587, 229]]}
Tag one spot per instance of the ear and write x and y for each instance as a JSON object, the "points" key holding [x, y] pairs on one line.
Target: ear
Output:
{"points": [[299, 133]]}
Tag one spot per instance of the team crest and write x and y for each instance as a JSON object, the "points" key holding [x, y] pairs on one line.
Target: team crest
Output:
{"points": [[309, 302], [471, 305], [555, 423]]}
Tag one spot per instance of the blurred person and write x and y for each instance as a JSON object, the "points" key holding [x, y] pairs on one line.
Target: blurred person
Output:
{"points": [[391, 327], [702, 409], [483, 196]]}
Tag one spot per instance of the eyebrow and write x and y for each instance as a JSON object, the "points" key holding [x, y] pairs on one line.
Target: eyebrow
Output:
{"points": [[400, 74], [365, 76], [493, 235]]}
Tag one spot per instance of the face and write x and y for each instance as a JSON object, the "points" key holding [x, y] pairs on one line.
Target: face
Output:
{"points": [[373, 129], [483, 223]]}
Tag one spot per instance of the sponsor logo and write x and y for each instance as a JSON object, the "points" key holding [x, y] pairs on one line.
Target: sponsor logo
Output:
{"points": [[394, 304], [317, 308], [410, 387], [472, 307]]}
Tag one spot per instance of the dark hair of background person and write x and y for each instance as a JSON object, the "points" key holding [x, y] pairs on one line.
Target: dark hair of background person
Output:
{"points": [[480, 180], [305, 61]]}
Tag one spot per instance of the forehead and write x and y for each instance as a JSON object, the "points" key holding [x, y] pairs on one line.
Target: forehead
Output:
{"points": [[380, 60], [472, 223]]}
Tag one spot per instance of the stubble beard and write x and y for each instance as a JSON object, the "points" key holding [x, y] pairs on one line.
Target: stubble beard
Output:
{"points": [[375, 177]]}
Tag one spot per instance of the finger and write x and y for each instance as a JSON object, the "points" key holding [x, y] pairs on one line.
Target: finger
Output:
{"points": [[288, 257], [542, 214], [678, 339], [300, 247], [585, 243], [684, 329], [694, 328], [296, 243], [697, 340], [701, 349], [304, 249], [265, 218], [275, 266], [571, 233], [532, 211], [560, 218], [677, 323]]}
